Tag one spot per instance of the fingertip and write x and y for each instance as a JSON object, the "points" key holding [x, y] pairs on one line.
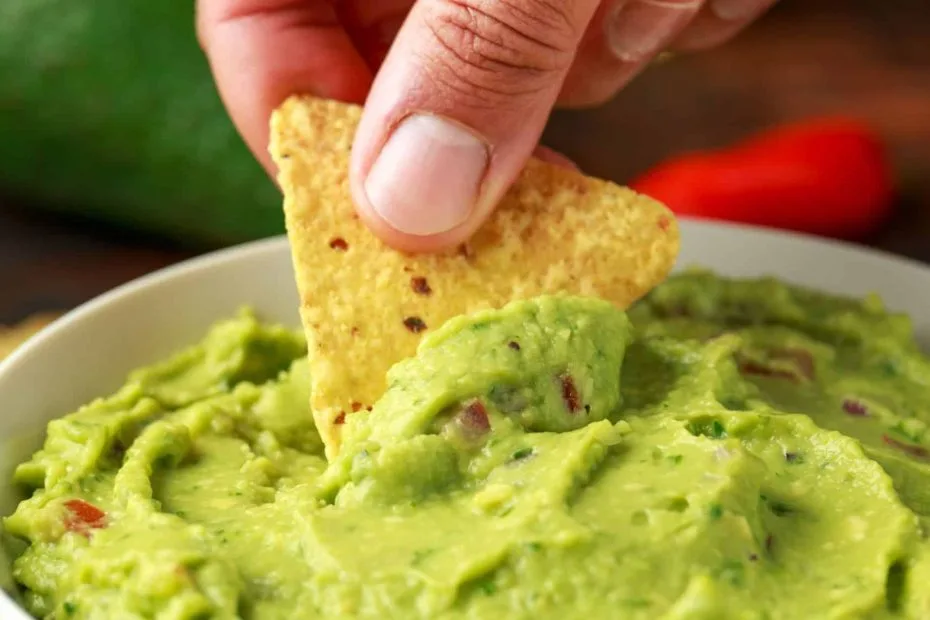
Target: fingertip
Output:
{"points": [[446, 130], [401, 241], [263, 51], [445, 240]]}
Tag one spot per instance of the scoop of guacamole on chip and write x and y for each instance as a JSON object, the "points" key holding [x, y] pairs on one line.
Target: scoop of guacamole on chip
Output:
{"points": [[725, 449]]}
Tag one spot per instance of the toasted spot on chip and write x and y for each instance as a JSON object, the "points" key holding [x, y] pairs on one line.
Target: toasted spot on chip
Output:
{"points": [[555, 231], [415, 324], [420, 285]]}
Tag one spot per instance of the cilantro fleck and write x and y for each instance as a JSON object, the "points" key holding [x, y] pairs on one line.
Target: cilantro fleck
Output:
{"points": [[899, 429], [675, 458], [707, 428], [780, 509], [419, 555], [715, 512], [69, 607], [889, 368], [488, 587], [522, 453], [508, 398], [896, 583], [732, 572]]}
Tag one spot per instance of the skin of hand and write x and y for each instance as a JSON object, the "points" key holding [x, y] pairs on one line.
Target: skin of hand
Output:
{"points": [[456, 92]]}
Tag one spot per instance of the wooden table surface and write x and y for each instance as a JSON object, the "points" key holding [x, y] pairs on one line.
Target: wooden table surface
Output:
{"points": [[806, 57]]}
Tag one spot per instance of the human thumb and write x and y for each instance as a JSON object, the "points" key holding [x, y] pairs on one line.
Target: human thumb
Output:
{"points": [[456, 110]]}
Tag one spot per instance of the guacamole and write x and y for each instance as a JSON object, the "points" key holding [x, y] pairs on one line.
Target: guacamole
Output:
{"points": [[727, 449]]}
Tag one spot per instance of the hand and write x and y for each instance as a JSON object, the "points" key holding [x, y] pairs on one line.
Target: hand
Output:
{"points": [[456, 104]]}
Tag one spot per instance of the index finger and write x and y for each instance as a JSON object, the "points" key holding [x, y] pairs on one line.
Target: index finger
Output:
{"points": [[262, 51]]}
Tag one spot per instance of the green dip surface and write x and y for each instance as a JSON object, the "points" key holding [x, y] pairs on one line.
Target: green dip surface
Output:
{"points": [[727, 449]]}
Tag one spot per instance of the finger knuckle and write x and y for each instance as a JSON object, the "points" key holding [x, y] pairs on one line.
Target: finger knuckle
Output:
{"points": [[501, 47]]}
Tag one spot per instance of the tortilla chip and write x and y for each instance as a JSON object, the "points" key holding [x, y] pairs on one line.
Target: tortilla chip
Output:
{"points": [[365, 306], [12, 337]]}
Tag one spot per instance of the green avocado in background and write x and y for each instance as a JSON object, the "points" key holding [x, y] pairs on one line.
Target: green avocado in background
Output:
{"points": [[727, 450], [108, 110]]}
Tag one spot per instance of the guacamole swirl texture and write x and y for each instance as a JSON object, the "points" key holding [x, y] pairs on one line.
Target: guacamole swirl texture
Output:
{"points": [[727, 449]]}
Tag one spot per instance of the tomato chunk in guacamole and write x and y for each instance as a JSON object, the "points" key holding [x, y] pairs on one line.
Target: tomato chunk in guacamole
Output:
{"points": [[727, 449]]}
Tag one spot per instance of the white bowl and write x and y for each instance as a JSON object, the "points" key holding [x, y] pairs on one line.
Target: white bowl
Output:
{"points": [[88, 352]]}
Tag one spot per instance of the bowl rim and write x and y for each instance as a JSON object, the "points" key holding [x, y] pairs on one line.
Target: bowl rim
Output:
{"points": [[803, 238], [243, 251]]}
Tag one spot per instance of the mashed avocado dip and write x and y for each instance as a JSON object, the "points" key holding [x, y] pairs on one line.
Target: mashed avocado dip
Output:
{"points": [[726, 450]]}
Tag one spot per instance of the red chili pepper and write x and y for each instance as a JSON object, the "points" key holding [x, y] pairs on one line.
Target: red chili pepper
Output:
{"points": [[570, 393], [474, 418], [84, 516], [751, 367], [918, 452], [855, 408], [827, 176]]}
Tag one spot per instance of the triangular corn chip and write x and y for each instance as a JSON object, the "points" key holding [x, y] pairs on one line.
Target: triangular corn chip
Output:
{"points": [[366, 306]]}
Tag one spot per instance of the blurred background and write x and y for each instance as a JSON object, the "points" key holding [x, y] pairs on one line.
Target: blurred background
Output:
{"points": [[116, 157]]}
